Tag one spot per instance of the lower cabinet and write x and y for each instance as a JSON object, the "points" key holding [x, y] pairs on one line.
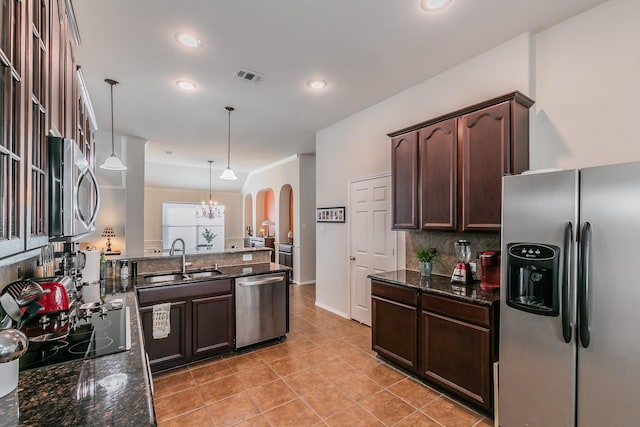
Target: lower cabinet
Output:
{"points": [[212, 325], [448, 342], [394, 324], [455, 355], [202, 322], [170, 351]]}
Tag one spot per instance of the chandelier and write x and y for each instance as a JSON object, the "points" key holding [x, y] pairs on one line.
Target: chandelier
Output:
{"points": [[212, 210]]}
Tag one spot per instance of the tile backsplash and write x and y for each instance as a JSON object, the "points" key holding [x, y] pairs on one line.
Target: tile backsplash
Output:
{"points": [[16, 270], [444, 242]]}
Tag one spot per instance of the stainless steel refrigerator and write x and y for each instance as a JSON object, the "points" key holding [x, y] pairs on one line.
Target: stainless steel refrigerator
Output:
{"points": [[570, 298]]}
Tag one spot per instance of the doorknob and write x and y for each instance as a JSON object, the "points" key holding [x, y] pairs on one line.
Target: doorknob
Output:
{"points": [[352, 258]]}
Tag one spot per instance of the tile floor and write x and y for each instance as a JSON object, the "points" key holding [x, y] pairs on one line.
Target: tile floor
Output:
{"points": [[323, 374]]}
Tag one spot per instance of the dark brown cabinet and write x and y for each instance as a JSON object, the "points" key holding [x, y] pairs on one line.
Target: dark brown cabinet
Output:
{"points": [[212, 325], [404, 172], [202, 322], [455, 173], [457, 347], [169, 351], [448, 342], [394, 324], [438, 154]]}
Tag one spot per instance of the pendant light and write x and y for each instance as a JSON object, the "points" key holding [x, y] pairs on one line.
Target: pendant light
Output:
{"points": [[228, 173], [112, 162]]}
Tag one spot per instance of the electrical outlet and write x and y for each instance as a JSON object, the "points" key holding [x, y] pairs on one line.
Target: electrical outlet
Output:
{"points": [[474, 267], [247, 270], [247, 257]]}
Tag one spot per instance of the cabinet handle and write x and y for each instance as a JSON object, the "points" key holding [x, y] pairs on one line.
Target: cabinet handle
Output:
{"points": [[352, 258]]}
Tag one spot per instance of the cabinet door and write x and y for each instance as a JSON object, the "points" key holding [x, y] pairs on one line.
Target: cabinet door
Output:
{"points": [[394, 331], [212, 325], [485, 157], [404, 177], [438, 173], [170, 351], [455, 354]]}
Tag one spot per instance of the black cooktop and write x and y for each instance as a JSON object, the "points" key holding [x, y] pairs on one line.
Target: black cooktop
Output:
{"points": [[79, 334]]}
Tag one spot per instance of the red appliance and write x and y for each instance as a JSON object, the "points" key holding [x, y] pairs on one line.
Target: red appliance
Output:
{"points": [[490, 265], [56, 293]]}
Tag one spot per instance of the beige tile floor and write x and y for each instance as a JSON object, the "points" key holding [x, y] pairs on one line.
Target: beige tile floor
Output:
{"points": [[323, 374]]}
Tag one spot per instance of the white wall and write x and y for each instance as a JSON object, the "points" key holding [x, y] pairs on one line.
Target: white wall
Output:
{"points": [[588, 89], [358, 146], [583, 74], [299, 172], [154, 197]]}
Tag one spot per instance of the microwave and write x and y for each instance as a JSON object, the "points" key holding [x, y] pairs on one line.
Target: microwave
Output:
{"points": [[74, 196]]}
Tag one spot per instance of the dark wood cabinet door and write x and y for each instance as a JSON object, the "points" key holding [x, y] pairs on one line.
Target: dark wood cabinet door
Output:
{"points": [[438, 155], [285, 259], [394, 332], [212, 325], [170, 351], [404, 179], [485, 157], [455, 354]]}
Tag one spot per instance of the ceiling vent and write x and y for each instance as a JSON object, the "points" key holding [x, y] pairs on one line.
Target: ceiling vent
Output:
{"points": [[252, 76]]}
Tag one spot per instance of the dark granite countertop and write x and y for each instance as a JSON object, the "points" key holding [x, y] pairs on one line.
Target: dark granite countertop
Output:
{"points": [[440, 285], [112, 390]]}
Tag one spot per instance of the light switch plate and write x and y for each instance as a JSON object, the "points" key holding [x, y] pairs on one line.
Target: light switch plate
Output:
{"points": [[247, 257]]}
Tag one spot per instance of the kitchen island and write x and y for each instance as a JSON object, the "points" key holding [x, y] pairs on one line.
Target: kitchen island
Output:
{"points": [[113, 390]]}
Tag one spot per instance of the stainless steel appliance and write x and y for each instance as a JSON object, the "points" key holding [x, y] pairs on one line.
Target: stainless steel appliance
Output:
{"points": [[462, 272], [569, 298], [74, 196], [261, 308]]}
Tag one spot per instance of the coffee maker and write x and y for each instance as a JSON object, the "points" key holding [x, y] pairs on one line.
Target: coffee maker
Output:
{"points": [[462, 272], [490, 266]]}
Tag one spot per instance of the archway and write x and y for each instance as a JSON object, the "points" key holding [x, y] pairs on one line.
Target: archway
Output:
{"points": [[265, 211]]}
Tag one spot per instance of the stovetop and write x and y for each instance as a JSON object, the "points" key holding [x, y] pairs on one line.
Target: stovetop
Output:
{"points": [[86, 331]]}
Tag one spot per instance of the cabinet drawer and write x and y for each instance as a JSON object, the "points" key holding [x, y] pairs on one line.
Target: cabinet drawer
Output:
{"points": [[159, 294], [473, 313], [395, 293]]}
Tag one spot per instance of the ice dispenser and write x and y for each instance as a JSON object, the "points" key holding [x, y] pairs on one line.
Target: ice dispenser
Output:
{"points": [[532, 278]]}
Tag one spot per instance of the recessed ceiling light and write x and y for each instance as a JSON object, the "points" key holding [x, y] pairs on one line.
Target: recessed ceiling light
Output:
{"points": [[186, 85], [317, 84], [188, 40], [433, 5]]}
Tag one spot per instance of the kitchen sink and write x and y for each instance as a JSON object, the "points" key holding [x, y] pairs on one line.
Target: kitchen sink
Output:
{"points": [[165, 278], [176, 277], [206, 273]]}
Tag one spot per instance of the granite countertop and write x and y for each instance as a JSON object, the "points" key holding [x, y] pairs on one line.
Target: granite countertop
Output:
{"points": [[110, 390], [440, 285]]}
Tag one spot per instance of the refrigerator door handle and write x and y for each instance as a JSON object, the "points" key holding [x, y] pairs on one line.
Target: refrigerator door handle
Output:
{"points": [[566, 276], [583, 286]]}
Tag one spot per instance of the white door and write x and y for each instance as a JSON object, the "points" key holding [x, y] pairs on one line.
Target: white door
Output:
{"points": [[372, 243]]}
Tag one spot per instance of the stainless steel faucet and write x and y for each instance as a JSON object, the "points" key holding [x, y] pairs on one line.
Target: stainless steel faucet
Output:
{"points": [[184, 259]]}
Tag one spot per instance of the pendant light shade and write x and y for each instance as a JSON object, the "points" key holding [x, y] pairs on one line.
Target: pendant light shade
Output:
{"points": [[228, 173], [112, 162]]}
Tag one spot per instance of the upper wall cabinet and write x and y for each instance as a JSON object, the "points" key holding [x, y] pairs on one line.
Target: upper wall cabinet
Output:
{"points": [[461, 158], [39, 95], [404, 169]]}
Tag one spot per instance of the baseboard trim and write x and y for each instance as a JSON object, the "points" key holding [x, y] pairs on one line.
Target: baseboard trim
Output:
{"points": [[308, 282], [332, 310]]}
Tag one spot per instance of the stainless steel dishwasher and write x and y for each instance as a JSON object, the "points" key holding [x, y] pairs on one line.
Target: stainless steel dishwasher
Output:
{"points": [[261, 308]]}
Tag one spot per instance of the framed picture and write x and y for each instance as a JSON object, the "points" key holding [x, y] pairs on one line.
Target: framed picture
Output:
{"points": [[330, 214]]}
